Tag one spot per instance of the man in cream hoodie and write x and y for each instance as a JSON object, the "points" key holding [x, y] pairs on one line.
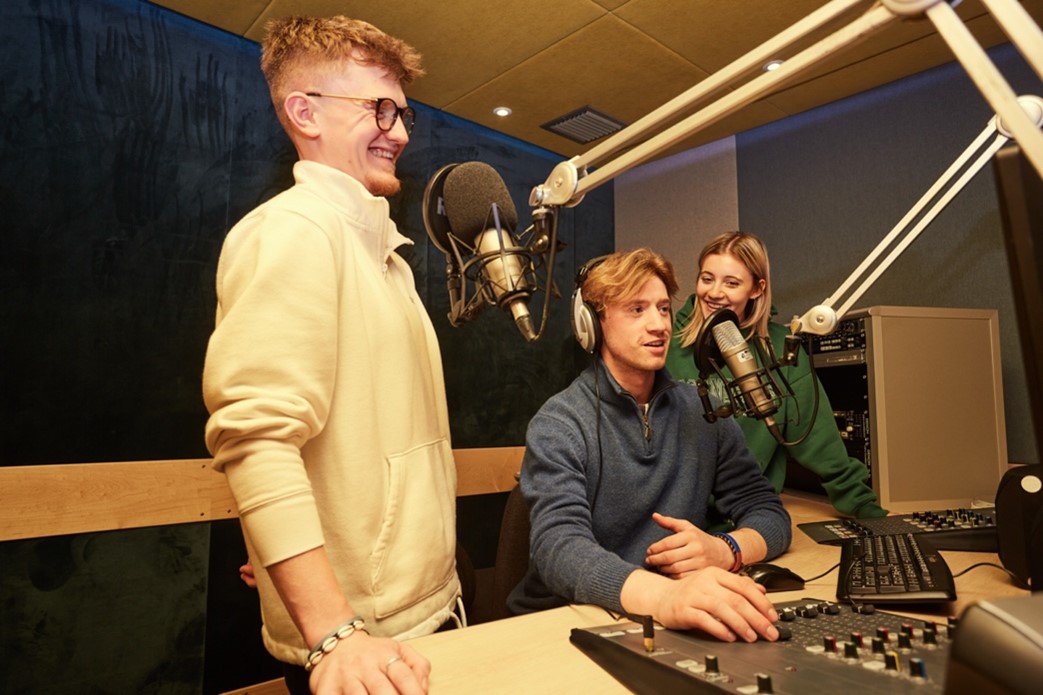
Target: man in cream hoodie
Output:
{"points": [[324, 381]]}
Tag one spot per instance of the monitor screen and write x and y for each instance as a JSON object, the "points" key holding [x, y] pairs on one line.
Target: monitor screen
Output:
{"points": [[1020, 191]]}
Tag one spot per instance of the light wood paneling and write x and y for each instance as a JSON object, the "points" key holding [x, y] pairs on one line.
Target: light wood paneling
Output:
{"points": [[481, 471], [58, 499], [272, 687], [37, 501]]}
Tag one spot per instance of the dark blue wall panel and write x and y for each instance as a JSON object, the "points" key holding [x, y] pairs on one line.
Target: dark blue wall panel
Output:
{"points": [[132, 139], [495, 380]]}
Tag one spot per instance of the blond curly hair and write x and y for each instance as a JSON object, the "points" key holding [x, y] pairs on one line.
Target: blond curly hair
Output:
{"points": [[296, 49]]}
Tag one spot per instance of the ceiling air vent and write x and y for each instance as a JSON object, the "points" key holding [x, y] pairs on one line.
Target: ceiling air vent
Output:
{"points": [[583, 125]]}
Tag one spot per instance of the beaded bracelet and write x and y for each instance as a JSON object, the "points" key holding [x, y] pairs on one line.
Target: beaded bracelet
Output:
{"points": [[727, 538], [330, 641]]}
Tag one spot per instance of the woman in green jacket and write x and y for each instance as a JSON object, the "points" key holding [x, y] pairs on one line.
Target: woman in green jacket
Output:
{"points": [[734, 274]]}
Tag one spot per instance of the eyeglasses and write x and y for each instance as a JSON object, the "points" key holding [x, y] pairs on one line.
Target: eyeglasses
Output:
{"points": [[387, 112]]}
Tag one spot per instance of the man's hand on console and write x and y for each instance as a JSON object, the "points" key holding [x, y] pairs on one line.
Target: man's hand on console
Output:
{"points": [[725, 605]]}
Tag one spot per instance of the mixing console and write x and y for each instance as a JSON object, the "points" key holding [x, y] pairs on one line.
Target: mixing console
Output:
{"points": [[950, 529], [824, 648]]}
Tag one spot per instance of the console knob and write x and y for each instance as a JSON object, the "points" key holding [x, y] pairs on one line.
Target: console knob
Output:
{"points": [[917, 667], [850, 650], [711, 664], [764, 683], [891, 661]]}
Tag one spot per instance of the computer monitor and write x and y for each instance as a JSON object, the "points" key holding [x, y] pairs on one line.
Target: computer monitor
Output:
{"points": [[1019, 499], [1020, 191]]}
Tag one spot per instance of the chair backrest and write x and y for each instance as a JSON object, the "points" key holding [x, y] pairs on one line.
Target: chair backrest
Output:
{"points": [[512, 553], [465, 571]]}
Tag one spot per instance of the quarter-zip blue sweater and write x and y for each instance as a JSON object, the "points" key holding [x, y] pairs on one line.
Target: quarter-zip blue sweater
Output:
{"points": [[597, 464]]}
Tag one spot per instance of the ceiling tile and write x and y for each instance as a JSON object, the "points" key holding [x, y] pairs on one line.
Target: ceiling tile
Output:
{"points": [[464, 43], [709, 33], [607, 65], [545, 58]]}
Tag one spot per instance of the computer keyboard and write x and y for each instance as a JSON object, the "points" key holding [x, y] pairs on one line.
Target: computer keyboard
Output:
{"points": [[950, 529], [898, 568]]}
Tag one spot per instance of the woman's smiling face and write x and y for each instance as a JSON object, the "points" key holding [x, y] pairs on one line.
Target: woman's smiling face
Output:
{"points": [[725, 283]]}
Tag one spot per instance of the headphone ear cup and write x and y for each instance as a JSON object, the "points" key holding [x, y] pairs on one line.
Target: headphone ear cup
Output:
{"points": [[585, 324]]}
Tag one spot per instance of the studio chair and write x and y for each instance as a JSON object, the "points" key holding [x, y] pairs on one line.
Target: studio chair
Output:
{"points": [[465, 571], [512, 553]]}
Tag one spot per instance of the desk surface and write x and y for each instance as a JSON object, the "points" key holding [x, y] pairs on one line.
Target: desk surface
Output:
{"points": [[532, 653]]}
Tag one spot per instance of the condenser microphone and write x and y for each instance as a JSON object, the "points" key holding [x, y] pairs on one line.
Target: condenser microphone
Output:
{"points": [[740, 360], [481, 214]]}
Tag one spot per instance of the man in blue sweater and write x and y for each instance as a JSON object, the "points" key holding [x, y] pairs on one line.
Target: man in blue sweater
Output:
{"points": [[620, 468]]}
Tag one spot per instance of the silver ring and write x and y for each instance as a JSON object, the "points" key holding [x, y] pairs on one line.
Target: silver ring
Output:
{"points": [[391, 661]]}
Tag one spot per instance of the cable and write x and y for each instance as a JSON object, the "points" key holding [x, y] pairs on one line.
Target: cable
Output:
{"points": [[597, 430], [820, 576], [986, 564]]}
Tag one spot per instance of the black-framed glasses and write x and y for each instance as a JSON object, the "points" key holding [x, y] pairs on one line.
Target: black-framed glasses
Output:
{"points": [[387, 112]]}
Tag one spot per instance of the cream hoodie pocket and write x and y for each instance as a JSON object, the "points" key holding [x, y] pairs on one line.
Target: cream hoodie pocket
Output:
{"points": [[415, 553]]}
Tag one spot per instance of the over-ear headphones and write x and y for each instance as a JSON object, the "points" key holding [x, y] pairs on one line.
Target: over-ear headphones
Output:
{"points": [[586, 325]]}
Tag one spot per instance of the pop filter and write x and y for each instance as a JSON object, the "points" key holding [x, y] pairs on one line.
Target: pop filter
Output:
{"points": [[705, 346], [436, 221]]}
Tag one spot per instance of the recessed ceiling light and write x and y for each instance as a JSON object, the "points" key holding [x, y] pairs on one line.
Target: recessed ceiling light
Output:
{"points": [[502, 111], [772, 65]]}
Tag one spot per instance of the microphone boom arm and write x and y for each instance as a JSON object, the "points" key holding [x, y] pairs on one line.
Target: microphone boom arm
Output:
{"points": [[822, 319], [569, 181]]}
